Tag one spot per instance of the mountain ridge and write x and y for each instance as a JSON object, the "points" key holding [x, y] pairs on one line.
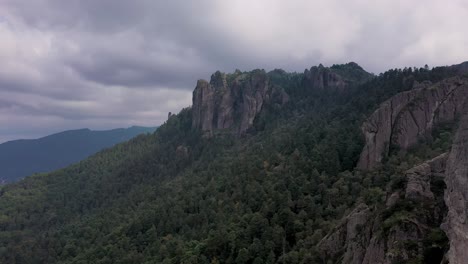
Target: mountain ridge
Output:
{"points": [[270, 195], [22, 157]]}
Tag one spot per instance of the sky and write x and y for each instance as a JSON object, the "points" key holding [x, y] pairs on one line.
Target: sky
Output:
{"points": [[100, 64]]}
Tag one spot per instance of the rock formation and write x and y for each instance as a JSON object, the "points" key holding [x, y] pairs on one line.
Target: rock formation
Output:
{"points": [[321, 78], [233, 105], [404, 119], [347, 236], [456, 196], [231, 102], [394, 235], [418, 187]]}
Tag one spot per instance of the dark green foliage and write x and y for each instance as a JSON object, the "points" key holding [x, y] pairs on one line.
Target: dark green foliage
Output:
{"points": [[268, 197], [352, 72]]}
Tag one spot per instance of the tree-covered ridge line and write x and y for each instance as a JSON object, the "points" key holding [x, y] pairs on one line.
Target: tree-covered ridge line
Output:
{"points": [[24, 157], [178, 197]]}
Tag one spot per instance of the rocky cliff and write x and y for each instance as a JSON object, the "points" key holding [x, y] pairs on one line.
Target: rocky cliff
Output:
{"points": [[408, 117], [456, 196], [406, 230], [337, 78], [426, 220], [232, 101], [321, 78]]}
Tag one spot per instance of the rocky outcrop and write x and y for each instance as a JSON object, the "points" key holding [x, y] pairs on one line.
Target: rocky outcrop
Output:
{"points": [[408, 117], [418, 187], [396, 234], [233, 105], [231, 102], [347, 237], [322, 79], [456, 196]]}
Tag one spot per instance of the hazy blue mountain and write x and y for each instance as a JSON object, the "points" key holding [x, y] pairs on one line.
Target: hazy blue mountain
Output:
{"points": [[20, 158]]}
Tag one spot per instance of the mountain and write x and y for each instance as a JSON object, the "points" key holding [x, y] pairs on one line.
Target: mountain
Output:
{"points": [[332, 165], [421, 219], [409, 116], [20, 158]]}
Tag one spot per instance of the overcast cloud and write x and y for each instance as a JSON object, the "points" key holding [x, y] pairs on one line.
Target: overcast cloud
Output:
{"points": [[113, 63]]}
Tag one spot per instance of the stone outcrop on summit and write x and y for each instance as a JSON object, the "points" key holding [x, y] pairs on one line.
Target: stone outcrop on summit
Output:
{"points": [[410, 116], [233, 104], [322, 78], [233, 101]]}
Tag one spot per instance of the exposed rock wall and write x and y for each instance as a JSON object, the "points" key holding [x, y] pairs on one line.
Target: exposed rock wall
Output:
{"points": [[409, 116], [368, 237], [232, 101], [348, 236], [221, 105], [321, 78], [456, 196]]}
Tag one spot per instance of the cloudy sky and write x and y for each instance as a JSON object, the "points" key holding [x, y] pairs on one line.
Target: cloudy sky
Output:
{"points": [[102, 64]]}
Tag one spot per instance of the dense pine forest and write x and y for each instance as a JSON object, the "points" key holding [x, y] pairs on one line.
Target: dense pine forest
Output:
{"points": [[269, 195]]}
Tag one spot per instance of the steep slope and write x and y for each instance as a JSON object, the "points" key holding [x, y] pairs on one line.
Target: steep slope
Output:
{"points": [[220, 104], [408, 117], [20, 158], [231, 102], [405, 230], [421, 220], [333, 79], [456, 196], [406, 226], [195, 194]]}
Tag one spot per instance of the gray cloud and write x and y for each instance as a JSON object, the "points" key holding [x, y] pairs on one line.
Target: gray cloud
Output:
{"points": [[112, 63]]}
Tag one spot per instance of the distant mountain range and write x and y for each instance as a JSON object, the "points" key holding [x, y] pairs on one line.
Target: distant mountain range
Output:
{"points": [[20, 158]]}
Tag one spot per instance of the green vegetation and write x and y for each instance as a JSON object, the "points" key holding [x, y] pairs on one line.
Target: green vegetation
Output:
{"points": [[268, 197], [21, 158]]}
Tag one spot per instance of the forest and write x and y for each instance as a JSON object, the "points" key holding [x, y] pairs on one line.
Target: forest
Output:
{"points": [[176, 196]]}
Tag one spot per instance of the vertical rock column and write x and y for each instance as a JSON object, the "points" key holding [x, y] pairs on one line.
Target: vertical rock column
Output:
{"points": [[456, 196]]}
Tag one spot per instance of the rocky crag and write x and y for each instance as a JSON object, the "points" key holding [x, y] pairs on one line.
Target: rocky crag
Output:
{"points": [[324, 79], [222, 104], [231, 102], [456, 196], [406, 118], [425, 220], [406, 230]]}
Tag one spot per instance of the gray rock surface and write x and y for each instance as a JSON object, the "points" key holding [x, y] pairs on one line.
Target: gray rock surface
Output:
{"points": [[456, 196], [322, 78], [410, 116], [360, 237], [233, 105], [347, 237], [418, 187]]}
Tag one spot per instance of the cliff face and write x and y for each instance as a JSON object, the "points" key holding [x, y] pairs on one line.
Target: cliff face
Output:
{"points": [[397, 234], [410, 227], [456, 196], [322, 78], [232, 101], [410, 116], [221, 105]]}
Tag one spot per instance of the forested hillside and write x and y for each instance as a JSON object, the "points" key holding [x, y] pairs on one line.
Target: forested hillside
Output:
{"points": [[21, 158], [218, 186]]}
